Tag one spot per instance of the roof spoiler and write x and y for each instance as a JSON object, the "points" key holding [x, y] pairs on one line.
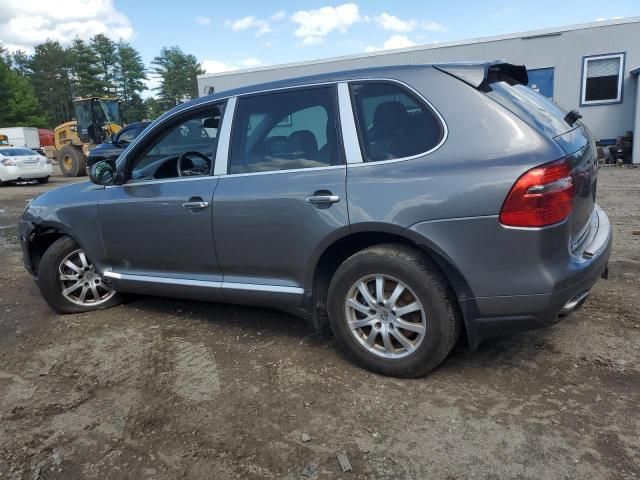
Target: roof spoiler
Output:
{"points": [[477, 73]]}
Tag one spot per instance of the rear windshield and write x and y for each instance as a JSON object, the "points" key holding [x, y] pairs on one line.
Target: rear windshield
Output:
{"points": [[16, 152], [535, 109]]}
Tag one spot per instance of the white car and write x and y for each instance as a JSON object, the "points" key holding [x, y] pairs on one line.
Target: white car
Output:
{"points": [[20, 163]]}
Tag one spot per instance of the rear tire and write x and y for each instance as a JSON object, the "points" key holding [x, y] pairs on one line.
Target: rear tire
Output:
{"points": [[43, 180], [72, 162], [64, 267], [409, 311]]}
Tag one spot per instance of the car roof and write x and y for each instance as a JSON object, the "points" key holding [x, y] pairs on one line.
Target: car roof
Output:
{"points": [[470, 72]]}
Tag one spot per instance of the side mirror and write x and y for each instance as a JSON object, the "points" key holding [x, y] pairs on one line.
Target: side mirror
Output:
{"points": [[103, 172]]}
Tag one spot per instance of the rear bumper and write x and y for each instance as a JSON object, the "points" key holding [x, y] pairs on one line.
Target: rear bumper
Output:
{"points": [[10, 174], [503, 315]]}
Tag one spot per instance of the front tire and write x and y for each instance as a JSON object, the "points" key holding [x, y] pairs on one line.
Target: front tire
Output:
{"points": [[391, 310], [69, 283], [43, 180], [72, 162]]}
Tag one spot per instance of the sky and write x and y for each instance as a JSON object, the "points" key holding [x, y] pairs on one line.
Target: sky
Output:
{"points": [[227, 35]]}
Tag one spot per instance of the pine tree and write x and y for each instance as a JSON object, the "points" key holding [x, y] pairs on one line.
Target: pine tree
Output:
{"points": [[19, 106], [178, 74], [51, 81], [107, 61], [130, 82], [21, 63], [84, 68]]}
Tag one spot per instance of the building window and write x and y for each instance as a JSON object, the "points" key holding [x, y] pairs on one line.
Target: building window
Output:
{"points": [[602, 79]]}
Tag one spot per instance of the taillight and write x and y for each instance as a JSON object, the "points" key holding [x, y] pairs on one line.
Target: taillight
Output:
{"points": [[541, 196]]}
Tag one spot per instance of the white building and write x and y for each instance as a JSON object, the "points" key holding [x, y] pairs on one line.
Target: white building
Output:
{"points": [[592, 67]]}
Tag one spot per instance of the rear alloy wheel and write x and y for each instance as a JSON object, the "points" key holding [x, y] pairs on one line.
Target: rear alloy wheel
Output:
{"points": [[392, 311], [69, 282], [390, 323]]}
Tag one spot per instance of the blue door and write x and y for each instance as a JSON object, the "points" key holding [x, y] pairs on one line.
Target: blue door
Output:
{"points": [[541, 80]]}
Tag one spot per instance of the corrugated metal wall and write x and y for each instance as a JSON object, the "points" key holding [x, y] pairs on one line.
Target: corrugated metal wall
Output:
{"points": [[563, 50]]}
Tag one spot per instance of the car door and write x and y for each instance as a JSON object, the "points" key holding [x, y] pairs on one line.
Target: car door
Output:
{"points": [[282, 199], [156, 228]]}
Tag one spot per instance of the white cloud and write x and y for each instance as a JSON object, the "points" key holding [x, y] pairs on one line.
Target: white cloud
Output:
{"points": [[261, 26], [249, 23], [396, 41], [433, 26], [251, 62], [314, 25], [280, 15], [215, 66], [393, 23], [203, 20], [24, 24]]}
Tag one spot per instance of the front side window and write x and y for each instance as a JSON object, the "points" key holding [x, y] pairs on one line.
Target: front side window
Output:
{"points": [[392, 122], [185, 148], [602, 79], [285, 131], [127, 135]]}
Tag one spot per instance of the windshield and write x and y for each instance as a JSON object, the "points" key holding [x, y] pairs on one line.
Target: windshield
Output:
{"points": [[111, 111], [535, 109], [17, 152]]}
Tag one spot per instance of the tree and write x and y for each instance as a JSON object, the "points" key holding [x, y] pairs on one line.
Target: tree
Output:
{"points": [[152, 108], [84, 70], [178, 74], [19, 105], [51, 81], [21, 63], [107, 60], [130, 82]]}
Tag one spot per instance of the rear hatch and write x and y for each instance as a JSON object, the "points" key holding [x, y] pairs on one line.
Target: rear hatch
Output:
{"points": [[550, 120]]}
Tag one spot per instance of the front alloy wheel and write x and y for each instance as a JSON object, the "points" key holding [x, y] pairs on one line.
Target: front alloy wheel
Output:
{"points": [[80, 284], [70, 283]]}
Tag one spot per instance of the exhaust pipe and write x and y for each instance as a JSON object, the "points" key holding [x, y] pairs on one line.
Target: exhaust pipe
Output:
{"points": [[574, 304]]}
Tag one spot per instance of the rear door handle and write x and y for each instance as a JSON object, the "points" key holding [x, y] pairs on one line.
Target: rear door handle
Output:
{"points": [[195, 205], [323, 199]]}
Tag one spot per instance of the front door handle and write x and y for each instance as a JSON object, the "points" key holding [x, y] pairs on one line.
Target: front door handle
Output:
{"points": [[322, 200], [197, 205]]}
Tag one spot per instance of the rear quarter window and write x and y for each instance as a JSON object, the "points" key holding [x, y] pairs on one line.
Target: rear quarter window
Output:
{"points": [[535, 109], [392, 122]]}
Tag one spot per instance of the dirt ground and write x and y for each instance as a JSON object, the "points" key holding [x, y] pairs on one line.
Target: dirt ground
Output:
{"points": [[162, 388]]}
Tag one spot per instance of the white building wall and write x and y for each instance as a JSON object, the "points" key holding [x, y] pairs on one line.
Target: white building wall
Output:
{"points": [[562, 49]]}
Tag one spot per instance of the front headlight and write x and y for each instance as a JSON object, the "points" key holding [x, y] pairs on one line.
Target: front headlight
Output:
{"points": [[7, 162]]}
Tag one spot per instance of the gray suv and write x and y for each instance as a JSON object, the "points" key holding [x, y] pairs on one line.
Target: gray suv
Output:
{"points": [[401, 205]]}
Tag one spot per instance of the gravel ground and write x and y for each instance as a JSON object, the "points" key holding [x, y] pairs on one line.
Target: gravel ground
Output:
{"points": [[162, 388]]}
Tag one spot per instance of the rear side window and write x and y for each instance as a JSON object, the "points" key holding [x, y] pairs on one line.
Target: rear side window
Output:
{"points": [[285, 131], [392, 122], [535, 109]]}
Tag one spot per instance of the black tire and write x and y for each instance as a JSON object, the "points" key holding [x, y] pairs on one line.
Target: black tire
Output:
{"points": [[51, 286], [72, 162], [424, 279], [43, 180]]}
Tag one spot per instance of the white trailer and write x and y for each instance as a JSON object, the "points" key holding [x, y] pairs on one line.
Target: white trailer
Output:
{"points": [[22, 137]]}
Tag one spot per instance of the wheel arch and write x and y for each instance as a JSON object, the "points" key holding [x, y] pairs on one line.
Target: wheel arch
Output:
{"points": [[42, 237], [342, 248]]}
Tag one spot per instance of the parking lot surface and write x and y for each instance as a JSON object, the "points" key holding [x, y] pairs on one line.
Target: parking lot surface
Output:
{"points": [[160, 388]]}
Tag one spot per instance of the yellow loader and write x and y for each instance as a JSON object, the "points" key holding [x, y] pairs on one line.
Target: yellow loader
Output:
{"points": [[97, 119]]}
